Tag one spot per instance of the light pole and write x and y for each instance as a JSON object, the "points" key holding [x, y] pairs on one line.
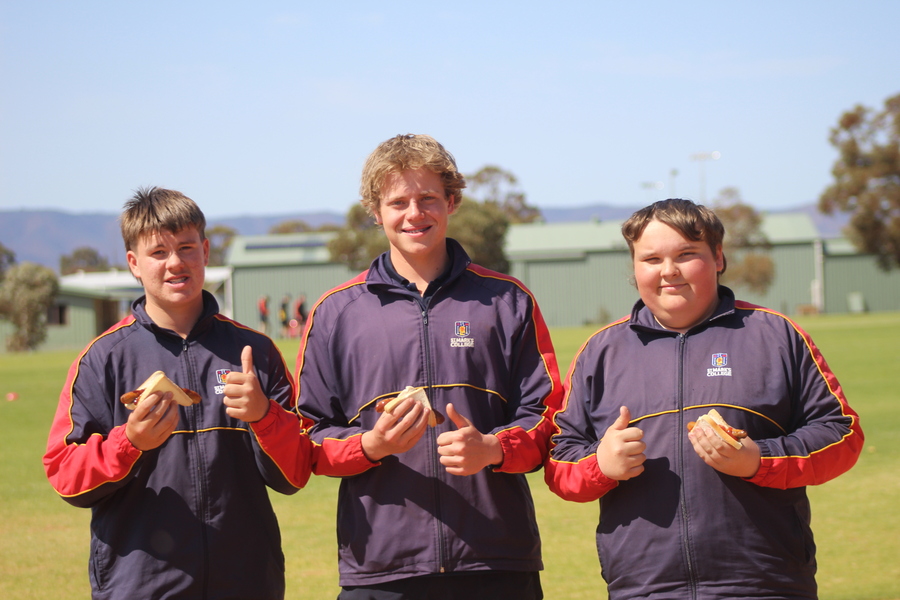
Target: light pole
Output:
{"points": [[702, 157]]}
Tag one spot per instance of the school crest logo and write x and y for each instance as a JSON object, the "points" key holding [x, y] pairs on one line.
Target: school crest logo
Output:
{"points": [[461, 339], [462, 328], [221, 375], [719, 365]]}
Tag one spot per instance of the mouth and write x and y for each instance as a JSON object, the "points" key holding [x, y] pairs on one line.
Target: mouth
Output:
{"points": [[417, 231], [671, 287], [178, 280]]}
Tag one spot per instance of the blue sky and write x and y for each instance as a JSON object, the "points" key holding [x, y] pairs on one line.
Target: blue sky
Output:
{"points": [[272, 107]]}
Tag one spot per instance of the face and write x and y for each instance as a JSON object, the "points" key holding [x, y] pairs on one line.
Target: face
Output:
{"points": [[676, 277], [171, 266], [414, 212]]}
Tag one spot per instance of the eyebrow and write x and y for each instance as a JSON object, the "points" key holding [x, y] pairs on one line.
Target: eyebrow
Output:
{"points": [[689, 245]]}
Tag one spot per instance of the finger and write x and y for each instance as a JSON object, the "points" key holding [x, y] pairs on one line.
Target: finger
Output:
{"points": [[151, 403], [247, 360], [459, 420], [622, 420]]}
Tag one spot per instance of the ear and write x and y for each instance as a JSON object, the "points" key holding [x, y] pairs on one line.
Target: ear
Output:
{"points": [[720, 259], [131, 257], [205, 251], [451, 204]]}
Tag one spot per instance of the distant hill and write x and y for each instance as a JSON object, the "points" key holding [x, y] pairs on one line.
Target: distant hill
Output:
{"points": [[43, 236]]}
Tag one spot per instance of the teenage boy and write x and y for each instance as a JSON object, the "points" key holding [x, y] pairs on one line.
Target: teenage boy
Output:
{"points": [[686, 515], [425, 512], [178, 494]]}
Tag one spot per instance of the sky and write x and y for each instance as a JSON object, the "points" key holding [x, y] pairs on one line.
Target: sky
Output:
{"points": [[268, 107]]}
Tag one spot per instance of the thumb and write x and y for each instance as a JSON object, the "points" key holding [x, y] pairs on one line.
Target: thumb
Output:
{"points": [[459, 420], [247, 360], [623, 419]]}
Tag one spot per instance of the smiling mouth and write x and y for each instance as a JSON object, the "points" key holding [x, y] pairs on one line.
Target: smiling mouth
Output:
{"points": [[417, 230], [178, 280]]}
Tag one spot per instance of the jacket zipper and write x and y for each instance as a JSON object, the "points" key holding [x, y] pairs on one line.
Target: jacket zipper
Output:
{"points": [[435, 461], [192, 416], [686, 542]]}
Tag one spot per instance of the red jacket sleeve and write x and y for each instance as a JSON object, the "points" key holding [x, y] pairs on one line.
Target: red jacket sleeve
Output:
{"points": [[84, 460], [828, 438], [526, 440]]}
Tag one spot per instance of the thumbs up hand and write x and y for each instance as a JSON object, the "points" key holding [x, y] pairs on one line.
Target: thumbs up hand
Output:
{"points": [[466, 450], [620, 454], [244, 398]]}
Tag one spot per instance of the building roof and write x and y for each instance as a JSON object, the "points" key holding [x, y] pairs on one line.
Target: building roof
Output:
{"points": [[280, 249], [122, 284], [535, 240], [572, 240]]}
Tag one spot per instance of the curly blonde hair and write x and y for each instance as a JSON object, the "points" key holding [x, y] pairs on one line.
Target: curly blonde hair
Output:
{"points": [[407, 153]]}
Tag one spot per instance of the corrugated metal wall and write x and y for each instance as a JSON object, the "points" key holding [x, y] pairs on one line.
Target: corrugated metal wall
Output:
{"points": [[575, 292], [859, 275], [794, 275], [312, 280]]}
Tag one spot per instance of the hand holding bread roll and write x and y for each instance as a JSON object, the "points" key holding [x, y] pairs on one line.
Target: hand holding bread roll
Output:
{"points": [[416, 393], [159, 382]]}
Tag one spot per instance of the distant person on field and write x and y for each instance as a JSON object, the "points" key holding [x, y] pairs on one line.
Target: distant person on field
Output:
{"points": [[685, 515], [429, 512], [284, 315], [263, 306], [300, 310], [178, 494]]}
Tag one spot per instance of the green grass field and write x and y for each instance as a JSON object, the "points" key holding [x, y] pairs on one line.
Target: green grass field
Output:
{"points": [[44, 541]]}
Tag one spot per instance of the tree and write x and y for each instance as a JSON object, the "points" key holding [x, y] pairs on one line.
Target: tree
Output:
{"points": [[481, 229], [867, 179], [220, 238], [7, 259], [359, 242], [745, 245], [493, 185], [85, 259], [291, 226], [26, 294]]}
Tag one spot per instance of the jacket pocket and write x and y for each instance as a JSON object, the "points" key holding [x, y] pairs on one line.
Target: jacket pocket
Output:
{"points": [[99, 567]]}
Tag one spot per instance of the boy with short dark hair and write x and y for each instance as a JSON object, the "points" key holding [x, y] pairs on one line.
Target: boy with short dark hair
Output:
{"points": [[687, 515], [178, 494]]}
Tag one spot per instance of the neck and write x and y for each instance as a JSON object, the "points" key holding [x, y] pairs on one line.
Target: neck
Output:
{"points": [[181, 321], [420, 270]]}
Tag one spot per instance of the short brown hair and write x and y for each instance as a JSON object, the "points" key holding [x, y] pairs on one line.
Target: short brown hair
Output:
{"points": [[154, 209], [407, 153], [694, 221]]}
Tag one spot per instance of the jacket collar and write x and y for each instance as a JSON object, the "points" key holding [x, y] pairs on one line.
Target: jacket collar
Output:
{"points": [[382, 274], [642, 318], [210, 310]]}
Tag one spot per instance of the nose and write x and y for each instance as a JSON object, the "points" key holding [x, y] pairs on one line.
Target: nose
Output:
{"points": [[669, 268], [414, 211], [174, 261]]}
